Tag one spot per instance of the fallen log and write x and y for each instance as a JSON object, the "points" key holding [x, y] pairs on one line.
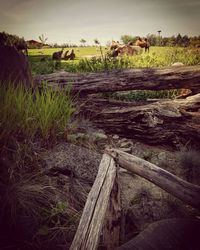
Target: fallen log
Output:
{"points": [[185, 191], [173, 122], [187, 77]]}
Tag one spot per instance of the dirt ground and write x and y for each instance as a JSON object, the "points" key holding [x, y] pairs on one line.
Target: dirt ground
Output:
{"points": [[142, 201]]}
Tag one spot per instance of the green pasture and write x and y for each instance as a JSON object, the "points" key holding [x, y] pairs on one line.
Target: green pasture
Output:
{"points": [[92, 59], [79, 51]]}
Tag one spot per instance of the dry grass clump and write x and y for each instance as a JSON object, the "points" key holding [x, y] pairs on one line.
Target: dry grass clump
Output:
{"points": [[190, 162], [32, 211]]}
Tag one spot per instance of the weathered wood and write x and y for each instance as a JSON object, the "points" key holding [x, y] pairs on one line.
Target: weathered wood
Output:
{"points": [[170, 122], [91, 223], [185, 191], [187, 77], [112, 223]]}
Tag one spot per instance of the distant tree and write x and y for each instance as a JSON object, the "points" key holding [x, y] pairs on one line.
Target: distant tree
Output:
{"points": [[195, 41], [172, 41], [152, 39], [127, 38], [83, 41], [178, 40], [96, 41], [43, 39], [185, 41], [165, 41]]}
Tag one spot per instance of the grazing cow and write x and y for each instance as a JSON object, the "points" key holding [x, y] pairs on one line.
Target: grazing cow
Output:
{"points": [[57, 55], [143, 43]]}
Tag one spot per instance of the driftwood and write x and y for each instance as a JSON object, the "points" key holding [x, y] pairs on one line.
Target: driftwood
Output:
{"points": [[187, 77], [185, 191], [171, 122], [92, 220]]}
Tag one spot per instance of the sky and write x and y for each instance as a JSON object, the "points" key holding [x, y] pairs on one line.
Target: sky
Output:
{"points": [[68, 21]]}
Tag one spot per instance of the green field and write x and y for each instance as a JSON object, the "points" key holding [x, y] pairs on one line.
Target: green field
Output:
{"points": [[90, 59]]}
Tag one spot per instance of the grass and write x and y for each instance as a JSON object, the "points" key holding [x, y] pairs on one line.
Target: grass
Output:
{"points": [[142, 95], [89, 59], [95, 59], [31, 211], [32, 113], [190, 162], [28, 198]]}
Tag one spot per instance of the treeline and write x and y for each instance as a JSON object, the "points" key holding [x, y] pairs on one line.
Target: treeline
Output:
{"points": [[156, 40]]}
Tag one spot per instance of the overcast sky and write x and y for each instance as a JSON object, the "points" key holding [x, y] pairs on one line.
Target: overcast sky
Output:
{"points": [[70, 20]]}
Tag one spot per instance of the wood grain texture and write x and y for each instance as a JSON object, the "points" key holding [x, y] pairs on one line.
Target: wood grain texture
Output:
{"points": [[185, 191], [165, 122], [187, 77], [91, 223]]}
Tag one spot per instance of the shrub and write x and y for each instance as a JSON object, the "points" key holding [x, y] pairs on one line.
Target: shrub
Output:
{"points": [[190, 161]]}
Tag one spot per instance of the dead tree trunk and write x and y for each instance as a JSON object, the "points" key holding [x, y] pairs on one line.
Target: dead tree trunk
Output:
{"points": [[187, 77], [164, 122]]}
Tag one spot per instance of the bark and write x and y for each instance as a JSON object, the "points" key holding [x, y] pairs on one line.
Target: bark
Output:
{"points": [[185, 191], [187, 77], [171, 122]]}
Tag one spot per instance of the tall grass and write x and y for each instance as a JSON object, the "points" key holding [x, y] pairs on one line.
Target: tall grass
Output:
{"points": [[30, 113], [96, 64]]}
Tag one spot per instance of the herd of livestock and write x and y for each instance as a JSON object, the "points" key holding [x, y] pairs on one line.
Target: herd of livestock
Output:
{"points": [[130, 48], [116, 49]]}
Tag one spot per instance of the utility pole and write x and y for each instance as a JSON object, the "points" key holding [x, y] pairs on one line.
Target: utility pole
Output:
{"points": [[159, 37]]}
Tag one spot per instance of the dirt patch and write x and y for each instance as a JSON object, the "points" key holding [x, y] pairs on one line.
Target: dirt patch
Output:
{"points": [[80, 160], [142, 202]]}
